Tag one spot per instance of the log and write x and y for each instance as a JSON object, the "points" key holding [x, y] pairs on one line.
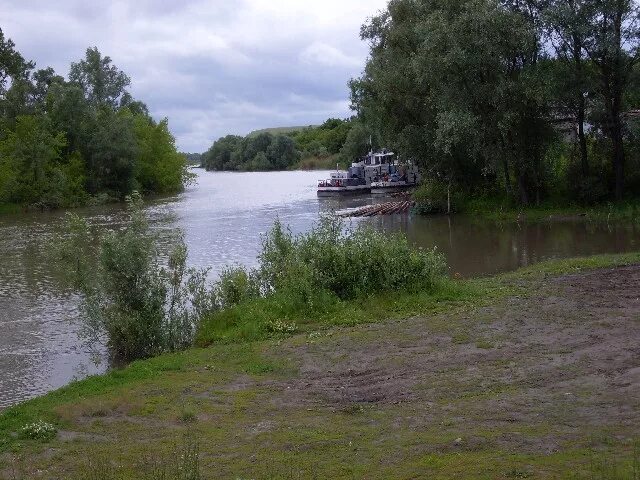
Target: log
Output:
{"points": [[388, 208]]}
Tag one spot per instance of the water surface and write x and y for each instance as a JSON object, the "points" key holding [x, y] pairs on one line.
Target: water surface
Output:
{"points": [[223, 218]]}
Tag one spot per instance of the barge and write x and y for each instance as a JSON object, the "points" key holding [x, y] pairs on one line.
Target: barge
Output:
{"points": [[376, 173]]}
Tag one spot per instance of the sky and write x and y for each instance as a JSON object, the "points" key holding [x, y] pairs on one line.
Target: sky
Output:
{"points": [[213, 67]]}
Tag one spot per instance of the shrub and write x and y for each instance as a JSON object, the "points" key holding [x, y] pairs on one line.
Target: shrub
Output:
{"points": [[347, 263], [433, 197], [142, 308], [236, 285]]}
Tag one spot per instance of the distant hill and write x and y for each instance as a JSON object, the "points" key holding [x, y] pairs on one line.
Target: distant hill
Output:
{"points": [[280, 130]]}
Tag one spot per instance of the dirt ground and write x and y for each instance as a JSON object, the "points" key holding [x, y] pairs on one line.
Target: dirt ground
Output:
{"points": [[567, 357], [532, 378]]}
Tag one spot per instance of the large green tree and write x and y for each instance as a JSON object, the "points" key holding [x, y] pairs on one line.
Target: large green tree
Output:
{"points": [[455, 85], [613, 46], [102, 82]]}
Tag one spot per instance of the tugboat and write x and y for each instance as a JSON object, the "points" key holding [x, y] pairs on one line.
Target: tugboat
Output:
{"points": [[341, 184], [377, 172], [404, 178]]}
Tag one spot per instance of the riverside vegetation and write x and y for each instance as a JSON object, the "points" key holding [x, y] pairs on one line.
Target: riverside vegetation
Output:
{"points": [[143, 308], [70, 142], [335, 141], [310, 372]]}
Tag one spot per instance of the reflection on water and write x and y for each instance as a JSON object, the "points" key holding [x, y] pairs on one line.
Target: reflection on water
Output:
{"points": [[223, 218]]}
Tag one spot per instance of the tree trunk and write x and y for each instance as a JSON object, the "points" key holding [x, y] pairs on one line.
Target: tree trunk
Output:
{"points": [[582, 139], [581, 105], [507, 177], [522, 187], [616, 106], [618, 156]]}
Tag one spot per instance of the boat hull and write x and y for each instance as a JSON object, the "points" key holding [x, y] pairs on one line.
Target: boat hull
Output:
{"points": [[382, 188], [342, 191]]}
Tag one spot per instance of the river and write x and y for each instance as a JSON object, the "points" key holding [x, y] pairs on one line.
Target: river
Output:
{"points": [[223, 217]]}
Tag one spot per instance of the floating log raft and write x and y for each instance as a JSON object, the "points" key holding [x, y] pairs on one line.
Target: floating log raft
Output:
{"points": [[387, 208]]}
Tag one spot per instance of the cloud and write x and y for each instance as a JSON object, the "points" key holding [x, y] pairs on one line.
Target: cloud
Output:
{"points": [[211, 67]]}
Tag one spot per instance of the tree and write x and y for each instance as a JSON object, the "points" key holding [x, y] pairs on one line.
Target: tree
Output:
{"points": [[112, 155], [29, 159], [219, 154], [568, 24], [12, 64], [102, 82], [613, 45], [160, 168], [357, 144], [281, 153], [456, 85]]}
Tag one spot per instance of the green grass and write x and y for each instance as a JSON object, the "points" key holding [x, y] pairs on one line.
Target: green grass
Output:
{"points": [[246, 322], [627, 211], [10, 208]]}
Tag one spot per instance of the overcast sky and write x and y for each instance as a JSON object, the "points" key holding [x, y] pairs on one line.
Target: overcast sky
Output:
{"points": [[212, 66]]}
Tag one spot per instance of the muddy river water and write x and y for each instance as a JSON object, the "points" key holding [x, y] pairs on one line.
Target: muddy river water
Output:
{"points": [[223, 218]]}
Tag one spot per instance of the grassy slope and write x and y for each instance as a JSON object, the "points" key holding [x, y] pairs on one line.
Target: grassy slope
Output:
{"points": [[128, 413], [280, 130]]}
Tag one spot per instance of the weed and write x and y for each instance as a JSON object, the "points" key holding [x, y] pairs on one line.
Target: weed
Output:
{"points": [[39, 430]]}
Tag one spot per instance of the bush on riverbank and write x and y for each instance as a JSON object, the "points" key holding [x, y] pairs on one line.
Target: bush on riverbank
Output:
{"points": [[315, 275], [144, 309]]}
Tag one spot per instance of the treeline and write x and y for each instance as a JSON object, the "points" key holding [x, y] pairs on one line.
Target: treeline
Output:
{"points": [[65, 142], [529, 100], [342, 140]]}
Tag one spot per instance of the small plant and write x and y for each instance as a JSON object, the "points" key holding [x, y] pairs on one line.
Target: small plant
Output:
{"points": [[188, 416], [280, 327], [39, 430]]}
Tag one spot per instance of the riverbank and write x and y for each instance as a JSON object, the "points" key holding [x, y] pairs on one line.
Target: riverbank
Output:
{"points": [[628, 211], [523, 375]]}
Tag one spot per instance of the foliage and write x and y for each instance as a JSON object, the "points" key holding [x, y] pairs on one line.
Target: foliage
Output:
{"points": [[141, 307], [311, 275], [480, 92], [160, 168], [31, 167], [326, 139], [260, 152], [434, 197], [348, 264], [282, 149], [64, 141]]}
